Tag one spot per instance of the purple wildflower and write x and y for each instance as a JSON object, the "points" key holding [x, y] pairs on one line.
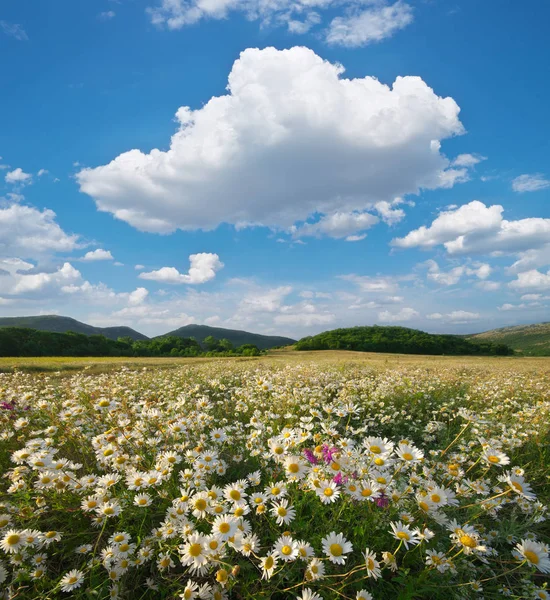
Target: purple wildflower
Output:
{"points": [[310, 457]]}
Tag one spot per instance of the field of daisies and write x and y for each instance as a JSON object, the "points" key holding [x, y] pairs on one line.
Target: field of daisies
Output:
{"points": [[251, 481]]}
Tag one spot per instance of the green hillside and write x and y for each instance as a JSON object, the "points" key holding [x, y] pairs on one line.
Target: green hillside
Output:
{"points": [[57, 324], [401, 340], [235, 336], [531, 340]]}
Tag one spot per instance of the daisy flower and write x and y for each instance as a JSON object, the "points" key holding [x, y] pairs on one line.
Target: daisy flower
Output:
{"points": [[534, 553], [315, 570], [493, 456], [404, 534], [189, 591], [363, 595], [142, 500], [268, 564], [285, 548], [309, 594], [295, 468], [282, 512], [193, 552], [328, 492], [71, 580], [373, 566], [225, 526], [335, 546], [409, 454], [12, 541]]}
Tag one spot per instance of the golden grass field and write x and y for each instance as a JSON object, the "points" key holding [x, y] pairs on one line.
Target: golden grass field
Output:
{"points": [[374, 359]]}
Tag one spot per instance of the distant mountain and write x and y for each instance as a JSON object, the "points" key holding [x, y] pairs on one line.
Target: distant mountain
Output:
{"points": [[401, 340], [235, 336], [58, 324], [531, 340]]}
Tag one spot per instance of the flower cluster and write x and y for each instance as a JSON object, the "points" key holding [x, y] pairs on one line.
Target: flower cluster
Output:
{"points": [[238, 481]]}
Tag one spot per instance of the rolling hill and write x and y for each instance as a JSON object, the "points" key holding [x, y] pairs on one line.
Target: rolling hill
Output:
{"points": [[531, 340], [401, 340], [235, 336], [57, 324]]}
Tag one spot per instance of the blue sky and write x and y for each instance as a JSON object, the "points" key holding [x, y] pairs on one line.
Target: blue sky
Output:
{"points": [[284, 168]]}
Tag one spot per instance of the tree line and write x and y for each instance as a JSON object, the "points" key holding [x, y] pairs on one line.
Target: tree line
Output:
{"points": [[19, 341], [400, 340]]}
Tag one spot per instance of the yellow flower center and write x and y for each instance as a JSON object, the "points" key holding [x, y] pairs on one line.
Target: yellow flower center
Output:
{"points": [[50, 534], [493, 459], [224, 527], [275, 491], [375, 449], [424, 506], [328, 492], [286, 550], [235, 495], [532, 557], [366, 492], [468, 541], [268, 564], [108, 452], [72, 579], [403, 535], [195, 550], [436, 498], [336, 550], [293, 468], [13, 539], [281, 511], [221, 576], [200, 504], [407, 456], [119, 538], [517, 486], [124, 547]]}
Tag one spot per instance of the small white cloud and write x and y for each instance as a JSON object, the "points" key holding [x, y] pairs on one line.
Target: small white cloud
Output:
{"points": [[507, 307], [488, 286], [530, 183], [405, 314], [203, 268], [18, 176], [107, 15], [366, 283], [42, 172], [98, 254], [338, 225], [533, 280], [30, 233], [370, 25], [435, 316], [468, 160], [139, 267]]}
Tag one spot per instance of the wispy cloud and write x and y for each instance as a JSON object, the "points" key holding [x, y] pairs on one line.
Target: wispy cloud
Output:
{"points": [[14, 30]]}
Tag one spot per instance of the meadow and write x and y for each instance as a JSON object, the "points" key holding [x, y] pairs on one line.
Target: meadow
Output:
{"points": [[329, 475]]}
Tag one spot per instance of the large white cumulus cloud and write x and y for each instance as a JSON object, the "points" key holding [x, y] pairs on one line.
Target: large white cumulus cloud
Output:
{"points": [[291, 138]]}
